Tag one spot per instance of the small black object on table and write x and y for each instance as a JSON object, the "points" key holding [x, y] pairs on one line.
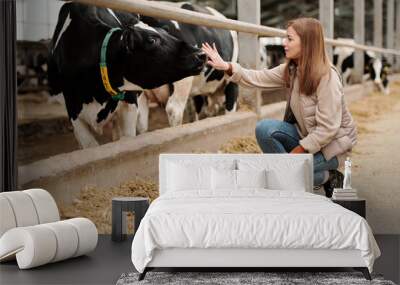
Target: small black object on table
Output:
{"points": [[356, 205], [136, 205]]}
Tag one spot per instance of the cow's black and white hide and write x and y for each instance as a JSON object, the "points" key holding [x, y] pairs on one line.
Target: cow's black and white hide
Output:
{"points": [[209, 89], [138, 56], [375, 68]]}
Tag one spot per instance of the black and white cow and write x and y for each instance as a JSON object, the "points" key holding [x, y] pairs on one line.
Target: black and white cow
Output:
{"points": [[272, 52], [138, 57], [31, 64], [375, 68], [209, 89]]}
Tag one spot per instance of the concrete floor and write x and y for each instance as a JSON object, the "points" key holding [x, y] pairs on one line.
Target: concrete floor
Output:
{"points": [[110, 260], [103, 266]]}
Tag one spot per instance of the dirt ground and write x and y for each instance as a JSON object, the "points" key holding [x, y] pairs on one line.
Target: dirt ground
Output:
{"points": [[376, 158]]}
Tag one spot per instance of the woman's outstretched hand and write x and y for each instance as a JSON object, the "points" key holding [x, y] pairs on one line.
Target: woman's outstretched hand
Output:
{"points": [[214, 59]]}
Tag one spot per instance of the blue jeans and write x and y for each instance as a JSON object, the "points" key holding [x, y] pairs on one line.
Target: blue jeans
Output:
{"points": [[275, 136]]}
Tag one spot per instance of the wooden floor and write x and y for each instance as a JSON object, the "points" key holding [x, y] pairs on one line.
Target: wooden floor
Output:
{"points": [[111, 259]]}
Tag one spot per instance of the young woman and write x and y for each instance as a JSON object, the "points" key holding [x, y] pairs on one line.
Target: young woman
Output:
{"points": [[316, 119]]}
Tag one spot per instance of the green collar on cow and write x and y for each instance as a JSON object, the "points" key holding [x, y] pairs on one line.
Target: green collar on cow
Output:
{"points": [[116, 95]]}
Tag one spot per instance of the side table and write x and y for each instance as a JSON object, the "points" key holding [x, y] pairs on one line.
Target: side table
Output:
{"points": [[136, 205], [355, 205]]}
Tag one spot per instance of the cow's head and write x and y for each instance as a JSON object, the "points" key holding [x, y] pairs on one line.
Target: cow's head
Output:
{"points": [[386, 70], [171, 27], [378, 69], [153, 57]]}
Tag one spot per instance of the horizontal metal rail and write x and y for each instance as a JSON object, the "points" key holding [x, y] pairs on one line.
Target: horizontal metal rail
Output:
{"points": [[165, 11]]}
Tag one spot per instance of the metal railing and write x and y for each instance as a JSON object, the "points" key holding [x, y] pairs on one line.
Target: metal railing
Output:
{"points": [[164, 11]]}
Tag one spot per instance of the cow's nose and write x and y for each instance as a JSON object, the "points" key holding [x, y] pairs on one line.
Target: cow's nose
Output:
{"points": [[191, 48], [377, 80], [201, 56]]}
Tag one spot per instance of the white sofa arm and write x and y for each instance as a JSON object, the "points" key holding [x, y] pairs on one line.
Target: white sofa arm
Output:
{"points": [[51, 242]]}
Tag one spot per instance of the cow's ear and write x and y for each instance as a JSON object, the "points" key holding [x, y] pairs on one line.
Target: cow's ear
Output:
{"points": [[166, 28]]}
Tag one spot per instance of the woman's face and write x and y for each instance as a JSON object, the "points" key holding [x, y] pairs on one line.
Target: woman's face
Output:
{"points": [[292, 44]]}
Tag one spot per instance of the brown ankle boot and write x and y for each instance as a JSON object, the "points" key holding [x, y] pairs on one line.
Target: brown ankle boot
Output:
{"points": [[335, 180]]}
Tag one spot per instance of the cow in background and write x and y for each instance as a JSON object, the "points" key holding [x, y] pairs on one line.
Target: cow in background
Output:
{"points": [[31, 65], [137, 57], [375, 68], [272, 52], [209, 89]]}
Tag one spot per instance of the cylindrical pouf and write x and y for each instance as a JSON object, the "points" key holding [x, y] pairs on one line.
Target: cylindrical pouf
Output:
{"points": [[23, 208], [67, 239], [46, 207], [7, 218], [34, 245], [87, 234]]}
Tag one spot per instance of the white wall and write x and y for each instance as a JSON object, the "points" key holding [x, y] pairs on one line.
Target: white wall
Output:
{"points": [[36, 19]]}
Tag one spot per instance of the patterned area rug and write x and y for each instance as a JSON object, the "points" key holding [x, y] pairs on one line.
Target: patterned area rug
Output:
{"points": [[269, 278]]}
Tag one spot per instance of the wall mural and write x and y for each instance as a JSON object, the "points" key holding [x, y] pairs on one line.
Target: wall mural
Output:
{"points": [[87, 134]]}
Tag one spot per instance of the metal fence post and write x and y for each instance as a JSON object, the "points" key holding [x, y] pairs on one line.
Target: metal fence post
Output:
{"points": [[378, 28], [397, 67], [249, 11], [390, 28], [326, 18], [359, 37]]}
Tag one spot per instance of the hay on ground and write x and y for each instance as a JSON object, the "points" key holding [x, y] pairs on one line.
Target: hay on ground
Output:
{"points": [[94, 203], [241, 145], [369, 108]]}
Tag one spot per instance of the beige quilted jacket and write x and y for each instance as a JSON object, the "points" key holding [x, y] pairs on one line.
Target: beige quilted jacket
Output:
{"points": [[322, 119]]}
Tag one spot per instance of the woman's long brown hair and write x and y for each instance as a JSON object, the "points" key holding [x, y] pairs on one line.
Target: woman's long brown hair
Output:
{"points": [[313, 63]]}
